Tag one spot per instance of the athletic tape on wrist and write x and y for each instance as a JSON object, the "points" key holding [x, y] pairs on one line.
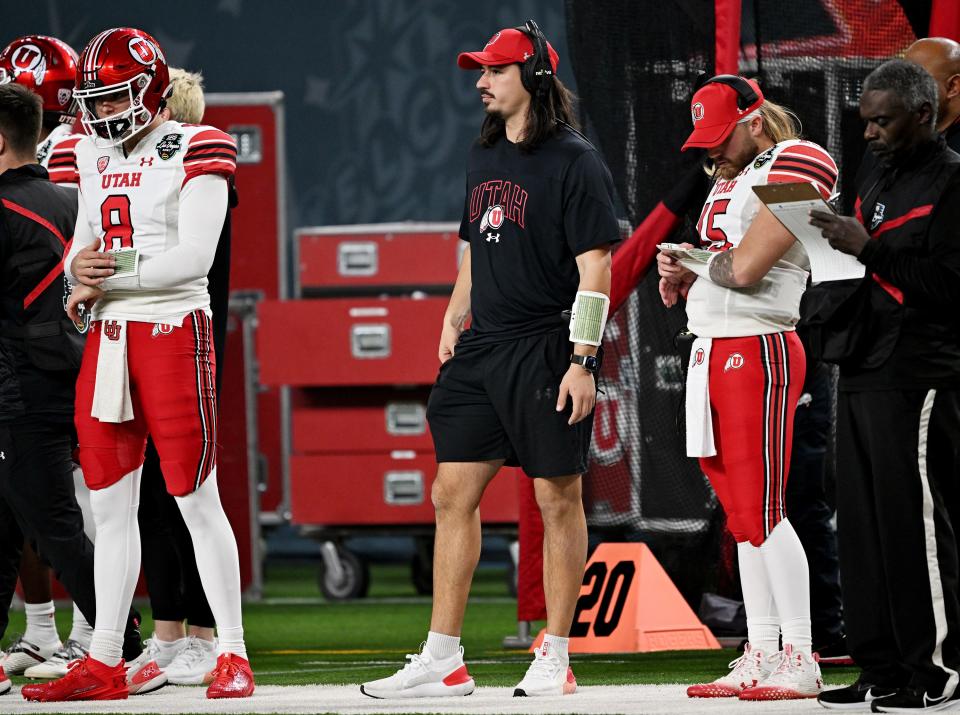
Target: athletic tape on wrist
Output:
{"points": [[588, 317]]}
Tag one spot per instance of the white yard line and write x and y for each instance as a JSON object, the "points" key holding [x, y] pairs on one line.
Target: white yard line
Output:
{"points": [[598, 699]]}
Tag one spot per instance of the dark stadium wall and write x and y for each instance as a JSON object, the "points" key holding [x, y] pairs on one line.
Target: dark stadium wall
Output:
{"points": [[378, 115]]}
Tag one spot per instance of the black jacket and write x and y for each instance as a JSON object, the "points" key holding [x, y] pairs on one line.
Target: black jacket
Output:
{"points": [[40, 350], [912, 212]]}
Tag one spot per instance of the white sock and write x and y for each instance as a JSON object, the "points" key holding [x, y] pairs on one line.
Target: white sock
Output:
{"points": [[796, 632], [106, 646], [81, 632], [217, 561], [41, 626], [442, 646], [116, 563], [230, 640], [763, 623], [786, 565], [557, 645], [168, 646]]}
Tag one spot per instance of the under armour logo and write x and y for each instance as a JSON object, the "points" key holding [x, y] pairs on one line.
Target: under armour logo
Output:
{"points": [[2, 455], [493, 237], [146, 161]]}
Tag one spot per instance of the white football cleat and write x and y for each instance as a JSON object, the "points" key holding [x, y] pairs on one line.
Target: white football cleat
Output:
{"points": [[57, 665], [424, 676], [22, 654], [797, 676], [192, 664], [548, 674], [747, 671]]}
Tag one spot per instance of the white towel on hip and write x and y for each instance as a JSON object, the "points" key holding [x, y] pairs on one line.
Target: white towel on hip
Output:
{"points": [[111, 392], [699, 417]]}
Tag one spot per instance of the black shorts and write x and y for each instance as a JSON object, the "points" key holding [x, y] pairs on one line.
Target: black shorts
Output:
{"points": [[498, 401]]}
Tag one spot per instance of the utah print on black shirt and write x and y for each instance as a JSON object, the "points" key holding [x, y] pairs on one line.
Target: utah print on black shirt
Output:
{"points": [[527, 217]]}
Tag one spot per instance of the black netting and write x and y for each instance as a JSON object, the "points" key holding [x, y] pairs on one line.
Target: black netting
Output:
{"points": [[635, 64]]}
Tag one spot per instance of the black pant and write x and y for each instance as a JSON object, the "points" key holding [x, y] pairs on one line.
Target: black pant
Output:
{"points": [[807, 505], [169, 563], [897, 456], [37, 501]]}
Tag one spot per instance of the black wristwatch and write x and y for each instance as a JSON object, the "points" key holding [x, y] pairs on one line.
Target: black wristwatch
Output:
{"points": [[590, 363]]}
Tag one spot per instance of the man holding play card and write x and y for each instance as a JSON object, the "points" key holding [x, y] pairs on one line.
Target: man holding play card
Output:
{"points": [[747, 370], [898, 415]]}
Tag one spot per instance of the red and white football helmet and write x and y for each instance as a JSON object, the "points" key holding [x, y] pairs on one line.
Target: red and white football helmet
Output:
{"points": [[45, 65], [121, 62]]}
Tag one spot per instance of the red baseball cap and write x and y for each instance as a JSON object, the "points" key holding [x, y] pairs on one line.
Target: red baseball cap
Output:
{"points": [[715, 113], [505, 48]]}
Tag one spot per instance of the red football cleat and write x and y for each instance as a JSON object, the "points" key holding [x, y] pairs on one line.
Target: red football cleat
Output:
{"points": [[4, 681], [88, 679], [232, 678]]}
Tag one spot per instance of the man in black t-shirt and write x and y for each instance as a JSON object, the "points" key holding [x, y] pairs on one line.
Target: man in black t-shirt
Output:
{"points": [[518, 386]]}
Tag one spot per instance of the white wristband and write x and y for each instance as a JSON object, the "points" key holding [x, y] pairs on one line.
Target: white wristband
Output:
{"points": [[588, 317]]}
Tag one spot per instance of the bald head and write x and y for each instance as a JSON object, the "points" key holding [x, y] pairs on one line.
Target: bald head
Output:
{"points": [[941, 58]]}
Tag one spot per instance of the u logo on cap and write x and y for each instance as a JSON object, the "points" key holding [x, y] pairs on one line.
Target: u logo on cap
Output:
{"points": [[697, 111]]}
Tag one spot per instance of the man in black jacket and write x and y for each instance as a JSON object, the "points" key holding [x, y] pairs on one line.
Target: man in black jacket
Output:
{"points": [[39, 358], [899, 404]]}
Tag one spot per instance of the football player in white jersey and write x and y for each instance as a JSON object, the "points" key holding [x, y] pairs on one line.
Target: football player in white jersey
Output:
{"points": [[747, 369], [47, 66], [153, 197]]}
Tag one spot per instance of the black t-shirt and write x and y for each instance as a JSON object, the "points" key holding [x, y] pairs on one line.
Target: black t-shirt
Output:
{"points": [[527, 217]]}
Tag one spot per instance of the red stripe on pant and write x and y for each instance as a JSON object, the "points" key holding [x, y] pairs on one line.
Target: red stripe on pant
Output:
{"points": [[206, 395], [755, 383]]}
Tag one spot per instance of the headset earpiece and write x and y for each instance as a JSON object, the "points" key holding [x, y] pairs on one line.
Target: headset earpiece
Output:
{"points": [[537, 71], [746, 95]]}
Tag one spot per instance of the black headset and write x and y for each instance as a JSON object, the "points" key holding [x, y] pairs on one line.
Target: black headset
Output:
{"points": [[537, 72], [746, 95]]}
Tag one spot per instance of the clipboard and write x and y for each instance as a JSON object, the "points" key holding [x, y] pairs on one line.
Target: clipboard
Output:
{"points": [[791, 204]]}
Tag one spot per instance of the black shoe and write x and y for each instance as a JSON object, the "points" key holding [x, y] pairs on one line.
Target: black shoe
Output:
{"points": [[834, 652], [858, 696], [132, 640], [908, 700]]}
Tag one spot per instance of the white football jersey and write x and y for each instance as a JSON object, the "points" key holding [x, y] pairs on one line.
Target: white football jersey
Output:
{"points": [[773, 304], [133, 202], [44, 148]]}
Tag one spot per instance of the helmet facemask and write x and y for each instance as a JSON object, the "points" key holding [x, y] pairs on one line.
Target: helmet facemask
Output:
{"points": [[119, 127]]}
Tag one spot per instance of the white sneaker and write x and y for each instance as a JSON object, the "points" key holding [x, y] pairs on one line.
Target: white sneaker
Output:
{"points": [[146, 673], [57, 665], [797, 676], [22, 654], [424, 676], [5, 683], [548, 674], [192, 664], [747, 671]]}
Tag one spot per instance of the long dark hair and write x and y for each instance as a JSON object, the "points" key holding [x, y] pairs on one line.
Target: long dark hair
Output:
{"points": [[543, 118]]}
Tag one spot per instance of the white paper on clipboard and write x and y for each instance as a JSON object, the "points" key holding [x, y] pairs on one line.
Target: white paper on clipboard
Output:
{"points": [[792, 204]]}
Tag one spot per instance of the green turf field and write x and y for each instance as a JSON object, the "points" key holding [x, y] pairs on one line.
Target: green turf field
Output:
{"points": [[295, 637]]}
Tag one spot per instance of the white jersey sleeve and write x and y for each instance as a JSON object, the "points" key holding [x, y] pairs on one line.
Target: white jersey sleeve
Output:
{"points": [[773, 304], [45, 148], [146, 200]]}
